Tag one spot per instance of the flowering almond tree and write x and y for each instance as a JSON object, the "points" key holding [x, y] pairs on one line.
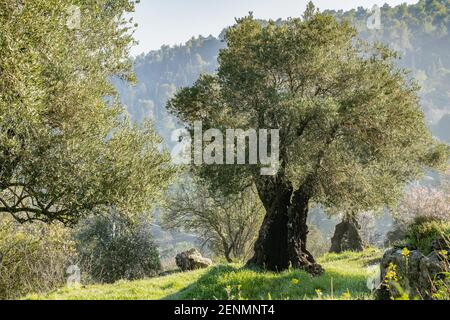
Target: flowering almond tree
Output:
{"points": [[423, 202]]}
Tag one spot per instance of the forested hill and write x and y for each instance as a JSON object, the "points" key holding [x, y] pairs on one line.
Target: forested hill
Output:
{"points": [[160, 73], [419, 32]]}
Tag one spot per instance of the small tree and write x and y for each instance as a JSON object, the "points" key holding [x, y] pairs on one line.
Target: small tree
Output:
{"points": [[351, 130], [227, 225], [423, 202]]}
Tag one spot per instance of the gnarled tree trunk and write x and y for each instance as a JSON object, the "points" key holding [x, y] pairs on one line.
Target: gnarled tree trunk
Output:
{"points": [[271, 245], [346, 236], [299, 256], [282, 238]]}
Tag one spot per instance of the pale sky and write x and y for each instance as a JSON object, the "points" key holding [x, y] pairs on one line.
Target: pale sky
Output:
{"points": [[173, 22]]}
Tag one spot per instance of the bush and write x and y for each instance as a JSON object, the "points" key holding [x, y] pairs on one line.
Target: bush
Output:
{"points": [[423, 233], [33, 257], [113, 247]]}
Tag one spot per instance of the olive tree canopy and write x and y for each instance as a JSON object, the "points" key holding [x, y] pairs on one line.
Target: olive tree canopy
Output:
{"points": [[351, 127]]}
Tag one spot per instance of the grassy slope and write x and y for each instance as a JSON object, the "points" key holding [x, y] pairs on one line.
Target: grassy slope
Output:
{"points": [[347, 273]]}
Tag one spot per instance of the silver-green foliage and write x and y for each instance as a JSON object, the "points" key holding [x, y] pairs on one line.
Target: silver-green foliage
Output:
{"points": [[66, 148]]}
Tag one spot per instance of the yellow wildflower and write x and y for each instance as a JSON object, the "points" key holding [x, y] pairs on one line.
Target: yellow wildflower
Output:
{"points": [[405, 252]]}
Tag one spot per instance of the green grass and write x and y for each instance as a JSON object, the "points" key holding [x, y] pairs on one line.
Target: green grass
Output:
{"points": [[345, 277]]}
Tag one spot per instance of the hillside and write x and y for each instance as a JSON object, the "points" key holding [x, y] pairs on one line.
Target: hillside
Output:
{"points": [[419, 33], [345, 278]]}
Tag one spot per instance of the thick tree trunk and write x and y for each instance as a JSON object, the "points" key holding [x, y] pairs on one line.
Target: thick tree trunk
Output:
{"points": [[346, 236], [299, 256], [271, 245], [282, 238]]}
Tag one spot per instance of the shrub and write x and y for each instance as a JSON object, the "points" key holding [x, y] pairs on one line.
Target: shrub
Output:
{"points": [[33, 257], [423, 233], [113, 247]]}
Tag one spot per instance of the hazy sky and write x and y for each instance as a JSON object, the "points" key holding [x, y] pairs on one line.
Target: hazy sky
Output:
{"points": [[176, 21]]}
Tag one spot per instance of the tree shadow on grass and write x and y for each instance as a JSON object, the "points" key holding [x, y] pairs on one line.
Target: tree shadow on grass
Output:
{"points": [[225, 282]]}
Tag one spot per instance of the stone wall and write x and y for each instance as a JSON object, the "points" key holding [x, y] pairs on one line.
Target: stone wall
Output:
{"points": [[411, 272]]}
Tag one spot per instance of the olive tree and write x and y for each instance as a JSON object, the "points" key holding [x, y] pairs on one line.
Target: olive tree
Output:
{"points": [[351, 130], [66, 147]]}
